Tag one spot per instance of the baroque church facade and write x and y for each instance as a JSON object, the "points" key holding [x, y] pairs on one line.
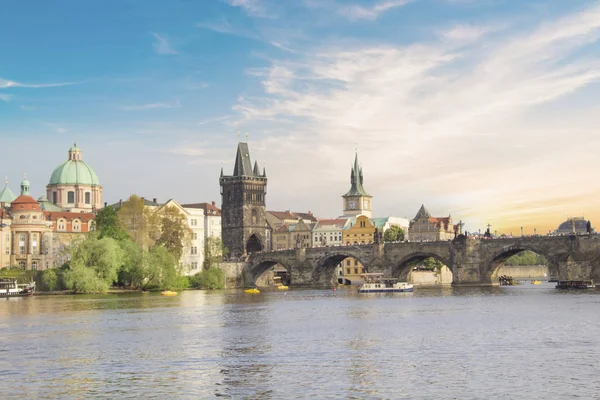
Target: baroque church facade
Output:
{"points": [[35, 233]]}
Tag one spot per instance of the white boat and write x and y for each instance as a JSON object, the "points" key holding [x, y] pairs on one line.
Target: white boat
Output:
{"points": [[376, 283], [10, 288]]}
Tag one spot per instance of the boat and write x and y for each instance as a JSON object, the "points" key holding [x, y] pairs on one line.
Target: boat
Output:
{"points": [[10, 288], [575, 285], [278, 284], [282, 287], [168, 293], [252, 290], [536, 282], [377, 283]]}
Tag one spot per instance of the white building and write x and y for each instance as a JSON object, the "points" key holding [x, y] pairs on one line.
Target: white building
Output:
{"points": [[328, 232], [192, 256], [212, 218]]}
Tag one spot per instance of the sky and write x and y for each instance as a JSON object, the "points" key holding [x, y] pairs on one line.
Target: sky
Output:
{"points": [[487, 110]]}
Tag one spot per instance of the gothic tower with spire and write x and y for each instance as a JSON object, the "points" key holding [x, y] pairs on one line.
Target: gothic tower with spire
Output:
{"points": [[243, 207], [357, 201]]}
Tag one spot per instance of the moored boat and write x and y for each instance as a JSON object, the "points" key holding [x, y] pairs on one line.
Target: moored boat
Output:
{"points": [[377, 283], [575, 284], [168, 293], [252, 290], [10, 288], [536, 282]]}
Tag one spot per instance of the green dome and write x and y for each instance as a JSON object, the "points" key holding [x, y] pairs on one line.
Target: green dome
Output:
{"points": [[74, 171]]}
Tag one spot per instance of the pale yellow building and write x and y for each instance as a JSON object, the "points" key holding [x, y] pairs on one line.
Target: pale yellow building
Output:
{"points": [[425, 228]]}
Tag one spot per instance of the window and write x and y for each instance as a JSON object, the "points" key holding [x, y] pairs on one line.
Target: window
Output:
{"points": [[355, 262], [71, 197], [22, 243], [356, 271], [194, 236], [194, 265], [34, 265], [194, 222], [34, 244], [347, 262], [194, 250], [8, 238], [76, 225], [347, 271], [22, 264], [54, 198], [88, 197]]}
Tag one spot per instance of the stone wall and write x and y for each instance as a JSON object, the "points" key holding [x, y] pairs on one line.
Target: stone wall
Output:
{"points": [[234, 277], [524, 271], [431, 278]]}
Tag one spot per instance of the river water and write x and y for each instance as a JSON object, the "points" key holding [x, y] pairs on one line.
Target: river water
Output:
{"points": [[522, 342]]}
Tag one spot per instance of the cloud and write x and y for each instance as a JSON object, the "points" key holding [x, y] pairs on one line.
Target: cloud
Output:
{"points": [[5, 97], [150, 106], [357, 12], [55, 127], [162, 45], [466, 32], [472, 129], [254, 8], [4, 84]]}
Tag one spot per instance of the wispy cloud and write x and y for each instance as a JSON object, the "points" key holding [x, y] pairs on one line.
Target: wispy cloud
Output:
{"points": [[162, 46], [4, 84], [255, 8], [455, 115], [151, 106], [358, 12], [5, 97], [57, 128]]}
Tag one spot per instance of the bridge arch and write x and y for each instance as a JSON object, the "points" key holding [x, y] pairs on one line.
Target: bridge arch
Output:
{"points": [[498, 258], [261, 265], [323, 273], [403, 267]]}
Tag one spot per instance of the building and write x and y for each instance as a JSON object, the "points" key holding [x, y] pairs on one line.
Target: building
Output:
{"points": [[357, 201], [278, 218], [328, 232], [6, 195], [293, 236], [212, 218], [34, 237], [74, 186], [424, 227], [575, 226], [243, 210]]}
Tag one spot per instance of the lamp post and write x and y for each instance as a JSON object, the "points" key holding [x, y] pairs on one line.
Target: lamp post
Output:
{"points": [[521, 231], [534, 231]]}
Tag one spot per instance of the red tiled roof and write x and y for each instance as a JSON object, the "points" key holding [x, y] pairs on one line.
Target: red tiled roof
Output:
{"points": [[54, 215], [337, 221], [292, 215]]}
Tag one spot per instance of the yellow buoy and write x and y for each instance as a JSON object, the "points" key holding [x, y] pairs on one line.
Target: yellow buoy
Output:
{"points": [[252, 290], [168, 293]]}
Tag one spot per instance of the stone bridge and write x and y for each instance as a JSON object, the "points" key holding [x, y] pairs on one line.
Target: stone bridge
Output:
{"points": [[473, 262]]}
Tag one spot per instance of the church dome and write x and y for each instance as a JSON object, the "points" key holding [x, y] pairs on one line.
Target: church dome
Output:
{"points": [[573, 225], [74, 171]]}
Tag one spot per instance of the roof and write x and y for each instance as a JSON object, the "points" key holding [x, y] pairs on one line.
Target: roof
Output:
{"points": [[54, 215], [6, 195], [423, 213], [74, 172], [290, 215], [24, 200], [47, 205], [209, 208], [356, 180], [577, 225]]}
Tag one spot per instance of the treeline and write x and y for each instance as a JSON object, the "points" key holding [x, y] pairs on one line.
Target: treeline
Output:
{"points": [[526, 258], [134, 247]]}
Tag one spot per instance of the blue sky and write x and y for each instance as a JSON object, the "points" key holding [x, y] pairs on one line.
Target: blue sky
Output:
{"points": [[486, 109]]}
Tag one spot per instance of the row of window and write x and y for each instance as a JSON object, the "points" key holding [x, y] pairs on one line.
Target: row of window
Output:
{"points": [[71, 197]]}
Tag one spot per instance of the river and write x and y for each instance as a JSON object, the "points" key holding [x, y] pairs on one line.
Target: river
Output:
{"points": [[522, 342]]}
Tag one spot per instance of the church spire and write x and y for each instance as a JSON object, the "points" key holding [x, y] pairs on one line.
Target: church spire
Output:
{"points": [[356, 180], [25, 186], [256, 171]]}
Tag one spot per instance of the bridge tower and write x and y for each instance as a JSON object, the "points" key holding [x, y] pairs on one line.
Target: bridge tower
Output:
{"points": [[357, 201], [243, 209]]}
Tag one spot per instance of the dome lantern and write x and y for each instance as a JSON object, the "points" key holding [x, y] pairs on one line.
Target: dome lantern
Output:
{"points": [[25, 185]]}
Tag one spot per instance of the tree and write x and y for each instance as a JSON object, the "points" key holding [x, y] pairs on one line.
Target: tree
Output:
{"points": [[211, 278], [109, 225], [432, 264], [174, 231], [393, 234], [138, 221], [49, 279], [214, 251], [94, 265]]}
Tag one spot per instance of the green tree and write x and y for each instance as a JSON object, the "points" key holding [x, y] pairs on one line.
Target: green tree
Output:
{"points": [[211, 278], [393, 234], [174, 231], [214, 251], [432, 264], [49, 279], [162, 271], [94, 264], [132, 273], [109, 225]]}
